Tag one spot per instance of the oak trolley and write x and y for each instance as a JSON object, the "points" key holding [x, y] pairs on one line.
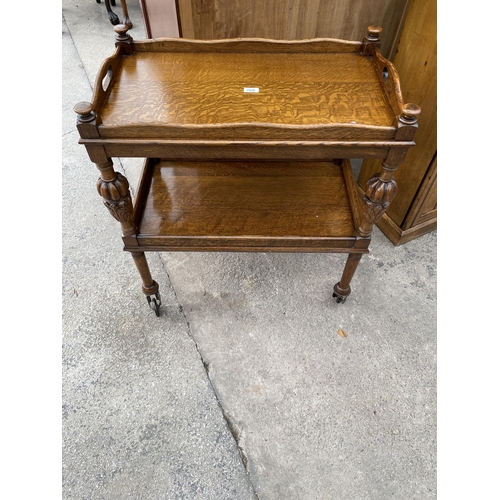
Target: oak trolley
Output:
{"points": [[247, 144]]}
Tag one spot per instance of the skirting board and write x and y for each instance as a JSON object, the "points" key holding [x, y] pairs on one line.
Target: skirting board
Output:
{"points": [[399, 236]]}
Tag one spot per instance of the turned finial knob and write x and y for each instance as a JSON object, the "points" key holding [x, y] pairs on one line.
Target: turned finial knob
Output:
{"points": [[121, 33], [410, 113], [373, 34], [84, 111], [83, 108]]}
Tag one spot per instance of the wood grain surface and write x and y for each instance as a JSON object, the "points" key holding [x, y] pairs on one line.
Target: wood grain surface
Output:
{"points": [[100, 149], [300, 203], [249, 45], [183, 89]]}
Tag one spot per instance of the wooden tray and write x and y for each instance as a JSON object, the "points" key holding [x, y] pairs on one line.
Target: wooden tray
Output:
{"points": [[240, 137], [301, 206]]}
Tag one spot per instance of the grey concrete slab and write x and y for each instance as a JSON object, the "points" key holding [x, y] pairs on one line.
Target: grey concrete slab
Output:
{"points": [[93, 39], [93, 34], [318, 415], [140, 417], [312, 414]]}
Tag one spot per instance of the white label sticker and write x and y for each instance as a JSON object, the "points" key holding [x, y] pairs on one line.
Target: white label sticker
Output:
{"points": [[251, 90]]}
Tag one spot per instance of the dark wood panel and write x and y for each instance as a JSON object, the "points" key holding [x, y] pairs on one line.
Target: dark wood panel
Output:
{"points": [[424, 206], [254, 244], [292, 19], [240, 151]]}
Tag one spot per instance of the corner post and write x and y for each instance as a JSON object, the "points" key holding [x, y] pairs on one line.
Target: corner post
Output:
{"points": [[87, 121], [112, 186], [382, 187], [371, 40], [380, 191], [342, 289], [114, 189], [123, 39]]}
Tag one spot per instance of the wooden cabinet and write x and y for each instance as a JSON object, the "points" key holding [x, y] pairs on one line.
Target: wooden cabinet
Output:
{"points": [[413, 211], [247, 144]]}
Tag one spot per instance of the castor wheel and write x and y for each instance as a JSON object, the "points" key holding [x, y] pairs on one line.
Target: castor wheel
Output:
{"points": [[154, 303], [339, 299], [156, 308], [340, 293]]}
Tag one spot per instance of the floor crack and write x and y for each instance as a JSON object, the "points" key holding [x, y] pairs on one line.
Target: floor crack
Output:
{"points": [[78, 53], [69, 133], [236, 433], [233, 428]]}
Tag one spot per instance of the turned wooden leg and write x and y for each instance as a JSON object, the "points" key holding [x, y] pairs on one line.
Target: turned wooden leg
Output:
{"points": [[113, 18], [382, 187], [126, 18], [149, 285], [342, 289], [380, 190], [114, 189]]}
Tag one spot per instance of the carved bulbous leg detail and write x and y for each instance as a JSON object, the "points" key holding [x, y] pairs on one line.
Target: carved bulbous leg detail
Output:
{"points": [[121, 210], [116, 197], [379, 193], [380, 190]]}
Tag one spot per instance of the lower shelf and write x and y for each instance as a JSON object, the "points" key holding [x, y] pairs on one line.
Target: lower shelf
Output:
{"points": [[247, 206]]}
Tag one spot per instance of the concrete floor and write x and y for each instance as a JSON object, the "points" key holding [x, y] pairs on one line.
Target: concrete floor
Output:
{"points": [[243, 388]]}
